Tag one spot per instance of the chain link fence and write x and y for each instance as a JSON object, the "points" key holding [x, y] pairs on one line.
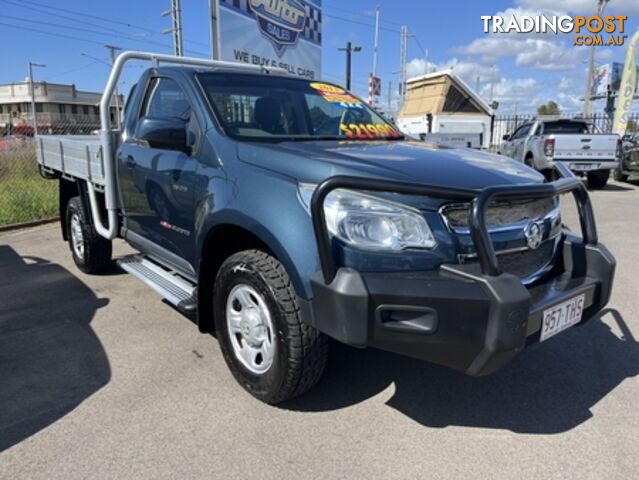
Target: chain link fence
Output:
{"points": [[24, 195]]}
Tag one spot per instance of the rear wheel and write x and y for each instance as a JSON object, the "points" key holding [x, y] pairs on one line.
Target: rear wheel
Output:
{"points": [[91, 252], [268, 349], [529, 161], [619, 175], [598, 179]]}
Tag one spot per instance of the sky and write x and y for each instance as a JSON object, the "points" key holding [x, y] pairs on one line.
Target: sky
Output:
{"points": [[525, 70]]}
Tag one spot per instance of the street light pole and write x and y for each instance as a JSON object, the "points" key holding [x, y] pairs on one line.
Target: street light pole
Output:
{"points": [[350, 49], [601, 5], [32, 92]]}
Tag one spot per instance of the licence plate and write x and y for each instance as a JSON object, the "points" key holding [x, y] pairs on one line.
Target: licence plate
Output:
{"points": [[560, 317], [584, 167]]}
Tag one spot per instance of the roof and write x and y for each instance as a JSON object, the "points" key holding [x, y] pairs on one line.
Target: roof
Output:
{"points": [[459, 83]]}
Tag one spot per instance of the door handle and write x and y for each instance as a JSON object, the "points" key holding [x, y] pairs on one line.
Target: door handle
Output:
{"points": [[130, 162]]}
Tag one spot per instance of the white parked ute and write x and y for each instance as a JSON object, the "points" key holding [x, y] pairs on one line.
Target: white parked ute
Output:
{"points": [[540, 143]]}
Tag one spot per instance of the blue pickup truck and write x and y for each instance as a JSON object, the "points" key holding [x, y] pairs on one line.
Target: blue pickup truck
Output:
{"points": [[284, 212]]}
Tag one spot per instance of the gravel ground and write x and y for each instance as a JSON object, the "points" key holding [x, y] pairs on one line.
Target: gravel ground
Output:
{"points": [[101, 379]]}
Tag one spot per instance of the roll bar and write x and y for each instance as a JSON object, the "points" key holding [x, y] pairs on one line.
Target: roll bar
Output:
{"points": [[106, 134]]}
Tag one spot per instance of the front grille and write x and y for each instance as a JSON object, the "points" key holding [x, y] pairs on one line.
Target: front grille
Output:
{"points": [[500, 214], [525, 263]]}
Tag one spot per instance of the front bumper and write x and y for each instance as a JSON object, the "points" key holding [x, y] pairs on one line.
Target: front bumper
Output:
{"points": [[474, 318], [456, 316]]}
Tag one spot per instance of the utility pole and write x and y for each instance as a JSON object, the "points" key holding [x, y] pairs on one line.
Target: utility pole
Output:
{"points": [[376, 44], [371, 95], [32, 91], [214, 9], [176, 29], [350, 49], [601, 5], [118, 124], [390, 97], [403, 52]]}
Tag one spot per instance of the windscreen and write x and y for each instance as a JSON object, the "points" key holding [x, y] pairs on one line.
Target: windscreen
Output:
{"points": [[268, 108], [566, 128]]}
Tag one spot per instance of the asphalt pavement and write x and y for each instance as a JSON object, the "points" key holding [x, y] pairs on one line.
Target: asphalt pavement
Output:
{"points": [[101, 379]]}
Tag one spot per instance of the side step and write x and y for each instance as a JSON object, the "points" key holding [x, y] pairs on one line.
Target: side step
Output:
{"points": [[174, 289]]}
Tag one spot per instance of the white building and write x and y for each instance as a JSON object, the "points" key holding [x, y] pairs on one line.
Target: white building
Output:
{"points": [[57, 107]]}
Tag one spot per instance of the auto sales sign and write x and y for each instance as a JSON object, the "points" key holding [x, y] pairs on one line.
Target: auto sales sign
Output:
{"points": [[273, 33]]}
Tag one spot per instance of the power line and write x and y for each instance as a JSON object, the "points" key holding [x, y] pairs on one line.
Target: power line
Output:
{"points": [[80, 29], [100, 18], [72, 70], [357, 14], [60, 35], [88, 30], [56, 15], [357, 22]]}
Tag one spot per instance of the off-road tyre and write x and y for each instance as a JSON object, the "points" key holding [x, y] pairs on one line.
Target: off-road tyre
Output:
{"points": [[94, 256], [301, 350]]}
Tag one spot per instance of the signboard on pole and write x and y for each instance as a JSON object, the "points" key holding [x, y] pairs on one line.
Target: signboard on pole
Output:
{"points": [[273, 33], [374, 88], [606, 76]]}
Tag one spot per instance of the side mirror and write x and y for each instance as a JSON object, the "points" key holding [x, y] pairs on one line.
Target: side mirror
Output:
{"points": [[163, 133], [505, 138]]}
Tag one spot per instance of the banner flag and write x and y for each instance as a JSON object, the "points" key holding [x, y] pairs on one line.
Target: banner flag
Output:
{"points": [[627, 88]]}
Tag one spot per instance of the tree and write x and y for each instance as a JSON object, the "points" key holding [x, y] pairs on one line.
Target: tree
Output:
{"points": [[631, 126], [550, 108]]}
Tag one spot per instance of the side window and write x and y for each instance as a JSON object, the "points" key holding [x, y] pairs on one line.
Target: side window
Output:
{"points": [[516, 133], [521, 131], [165, 99]]}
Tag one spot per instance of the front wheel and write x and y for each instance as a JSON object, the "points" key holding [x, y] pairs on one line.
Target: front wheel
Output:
{"points": [[598, 179], [91, 252], [268, 349]]}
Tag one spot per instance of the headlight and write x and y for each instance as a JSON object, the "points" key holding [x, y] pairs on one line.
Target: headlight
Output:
{"points": [[372, 223]]}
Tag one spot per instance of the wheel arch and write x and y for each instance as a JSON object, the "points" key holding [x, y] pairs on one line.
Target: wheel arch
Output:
{"points": [[67, 189], [223, 240]]}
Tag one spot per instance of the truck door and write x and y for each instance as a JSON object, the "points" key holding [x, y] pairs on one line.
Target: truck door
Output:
{"points": [[515, 144], [519, 141], [158, 175]]}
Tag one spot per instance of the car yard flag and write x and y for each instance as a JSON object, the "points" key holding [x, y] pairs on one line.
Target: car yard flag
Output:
{"points": [[627, 88]]}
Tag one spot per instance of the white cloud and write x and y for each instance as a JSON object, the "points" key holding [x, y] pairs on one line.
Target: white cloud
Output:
{"points": [[469, 71], [547, 52], [417, 67], [537, 53], [522, 94]]}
